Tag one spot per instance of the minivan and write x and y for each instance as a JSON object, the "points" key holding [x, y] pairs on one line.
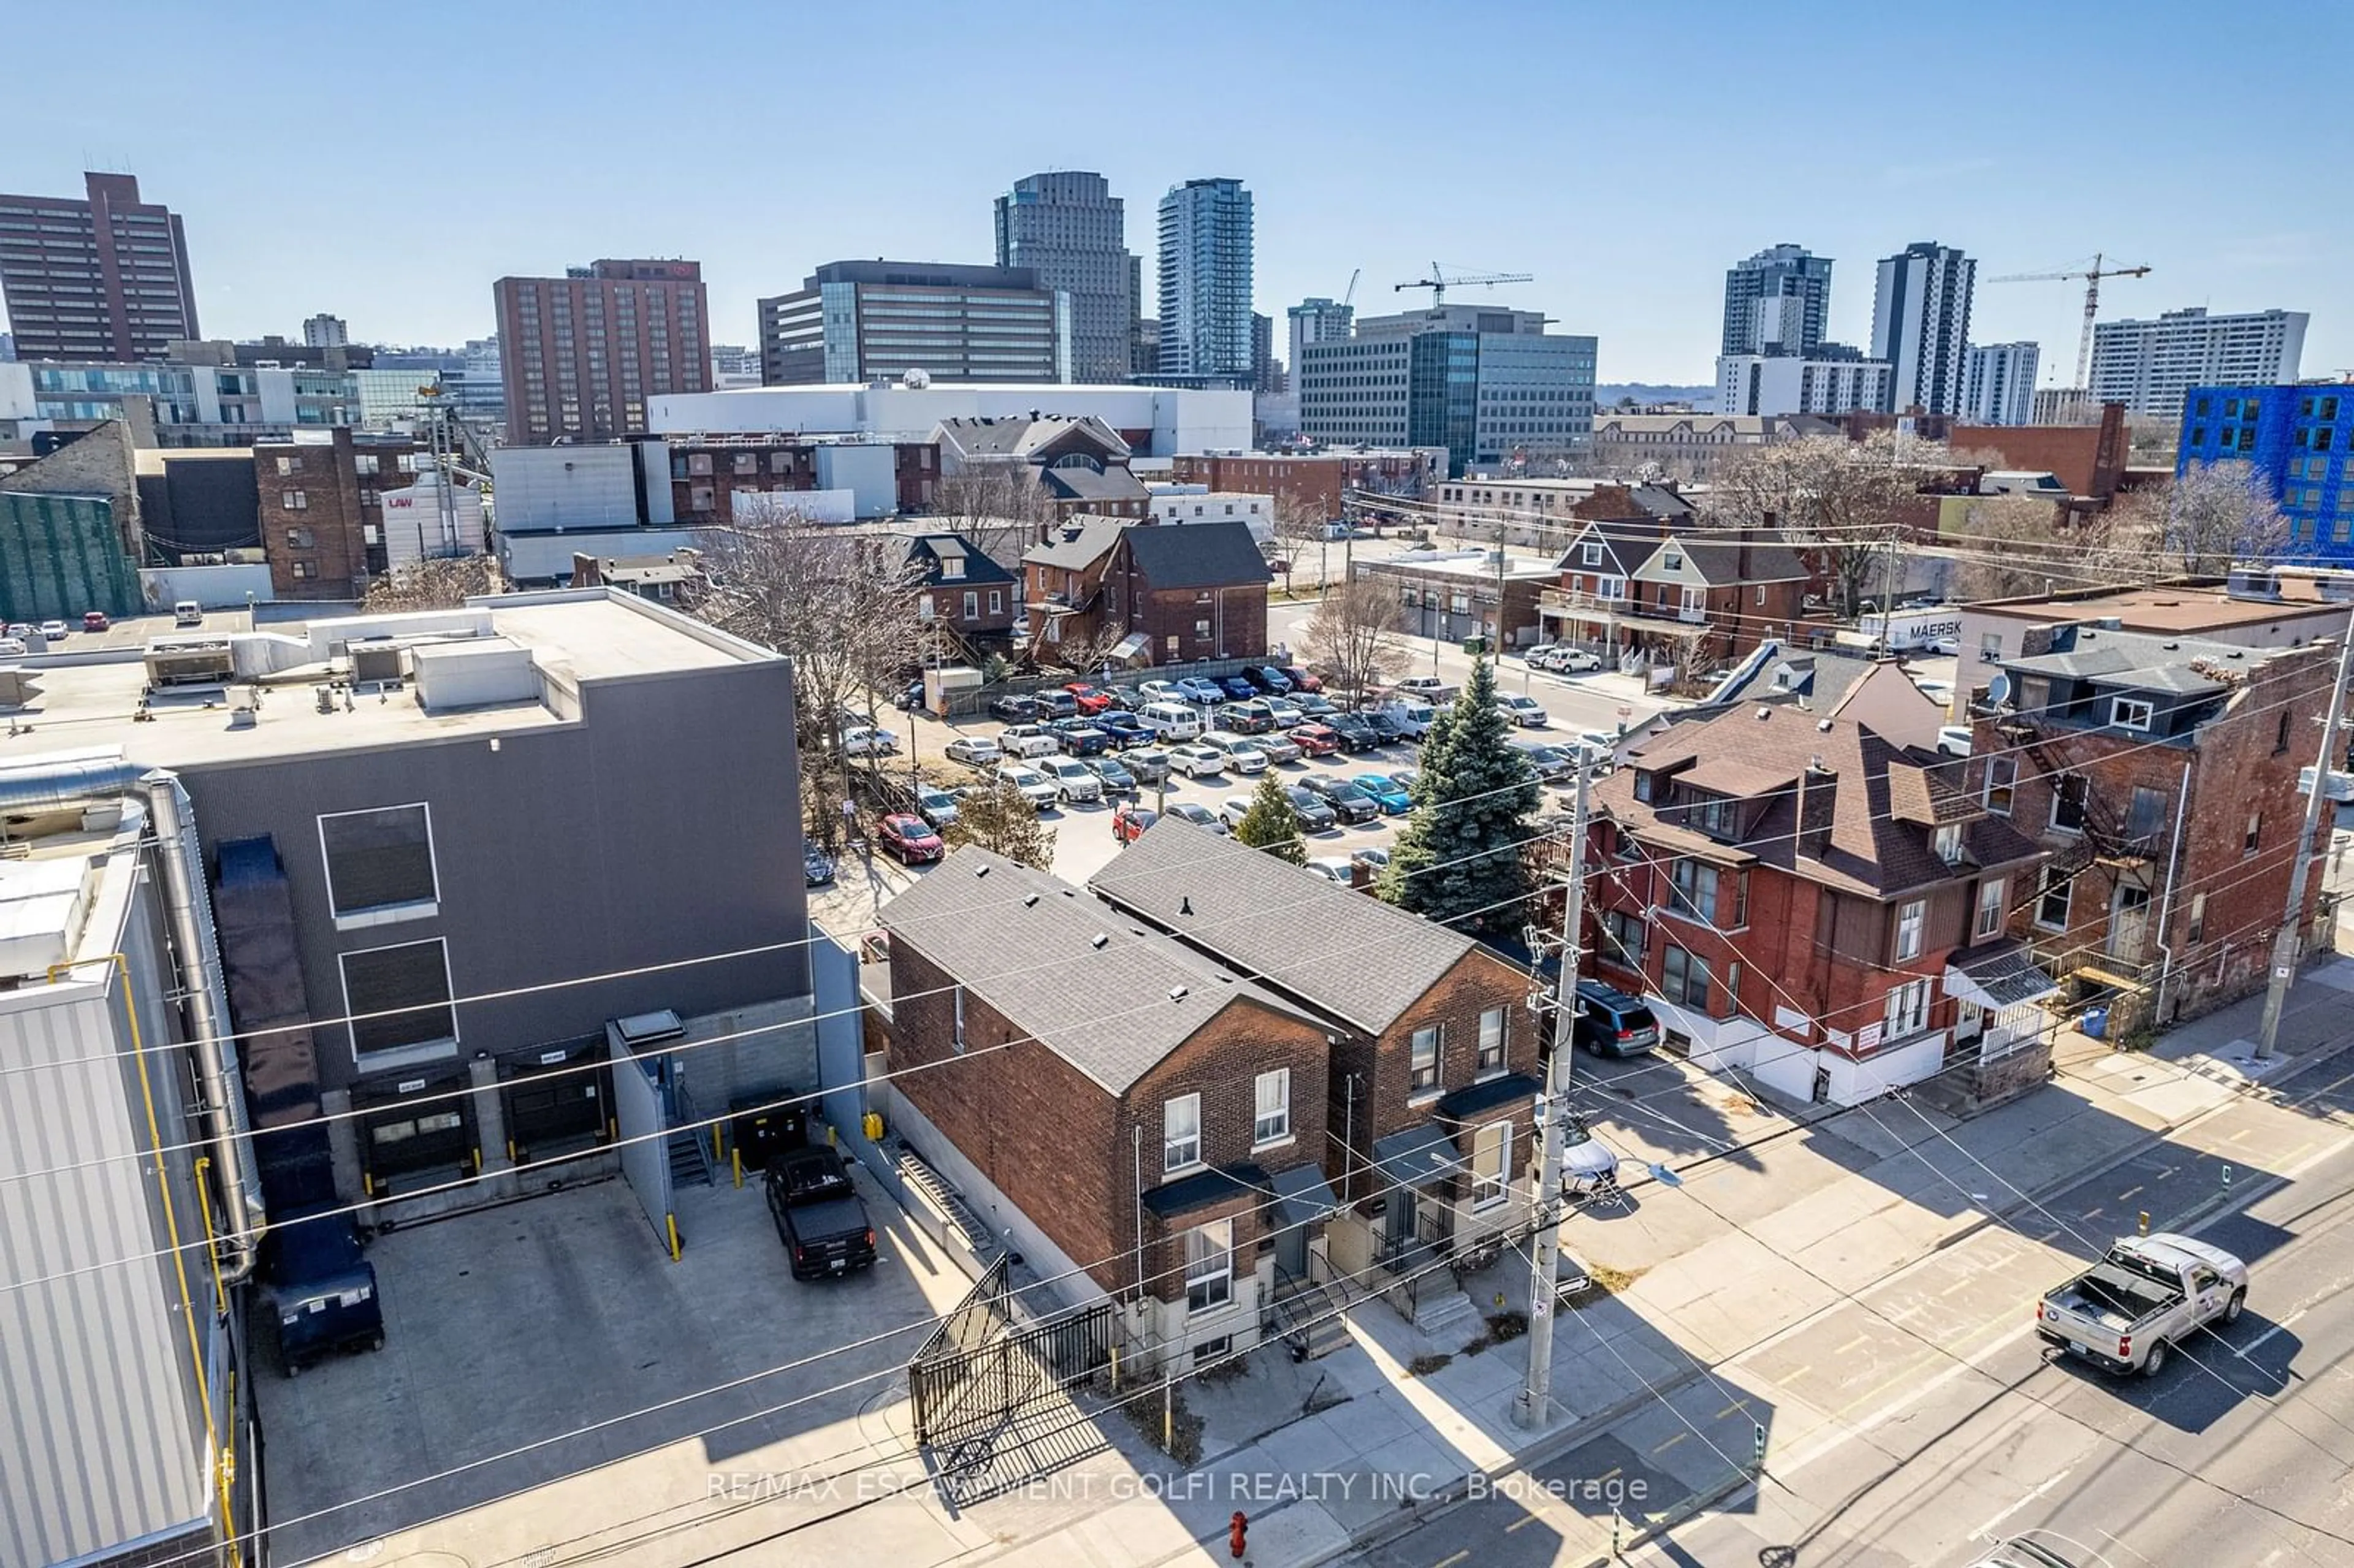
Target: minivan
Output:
{"points": [[188, 612], [1241, 754], [1173, 721], [1612, 1023]]}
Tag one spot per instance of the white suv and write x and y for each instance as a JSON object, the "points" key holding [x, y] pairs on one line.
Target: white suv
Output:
{"points": [[1035, 786], [1074, 780], [1241, 752], [1521, 710]]}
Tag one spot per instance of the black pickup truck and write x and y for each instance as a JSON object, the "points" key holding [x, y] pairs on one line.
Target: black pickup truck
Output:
{"points": [[819, 1216]]}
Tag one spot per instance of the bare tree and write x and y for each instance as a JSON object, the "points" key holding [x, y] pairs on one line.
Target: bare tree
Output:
{"points": [[1840, 503], [1355, 637], [433, 583], [999, 506], [2016, 544], [1299, 526], [1001, 818], [2213, 514], [841, 605]]}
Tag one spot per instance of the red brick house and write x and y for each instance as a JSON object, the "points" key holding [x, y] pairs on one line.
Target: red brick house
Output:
{"points": [[1147, 593], [965, 594], [322, 510], [2161, 773], [1815, 900], [1692, 597], [1147, 1125], [1434, 1052]]}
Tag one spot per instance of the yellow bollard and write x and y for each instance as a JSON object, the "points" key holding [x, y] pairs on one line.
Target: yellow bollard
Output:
{"points": [[1115, 1369], [2145, 1222], [511, 1159], [671, 1220], [735, 1159], [715, 1140]]}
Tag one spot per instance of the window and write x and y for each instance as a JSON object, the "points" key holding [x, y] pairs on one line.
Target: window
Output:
{"points": [[1491, 1041], [399, 1002], [2280, 735], [2130, 712], [1209, 1266], [379, 864], [2001, 774], [1990, 647], [1683, 979], [288, 464], [363, 464], [1909, 919], [2147, 813], [1491, 1164], [2198, 917], [1908, 1011], [1695, 888], [951, 567], [1989, 917], [1274, 1123], [1593, 554], [2068, 802], [294, 500], [299, 539], [971, 605], [2255, 834], [2052, 899], [997, 601], [1423, 1060], [1947, 843], [1714, 815], [1180, 1132], [1625, 932]]}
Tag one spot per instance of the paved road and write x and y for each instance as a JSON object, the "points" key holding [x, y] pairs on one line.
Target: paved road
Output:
{"points": [[1919, 1411]]}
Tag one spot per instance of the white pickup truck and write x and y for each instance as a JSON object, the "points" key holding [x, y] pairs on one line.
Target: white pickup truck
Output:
{"points": [[2127, 1311]]}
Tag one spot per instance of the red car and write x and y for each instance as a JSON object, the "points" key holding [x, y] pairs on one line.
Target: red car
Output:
{"points": [[911, 838], [1128, 823], [93, 621], [1314, 739], [1301, 680], [1090, 700]]}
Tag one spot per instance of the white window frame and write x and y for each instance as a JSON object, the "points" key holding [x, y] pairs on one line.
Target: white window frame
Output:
{"points": [[2008, 768], [1492, 1057], [1216, 1276], [384, 913], [400, 1056], [1992, 896], [1907, 1012], [1945, 843], [1912, 920], [1416, 1089], [2120, 707], [1489, 1188], [2043, 892], [1593, 553], [1173, 1145], [1271, 1124]]}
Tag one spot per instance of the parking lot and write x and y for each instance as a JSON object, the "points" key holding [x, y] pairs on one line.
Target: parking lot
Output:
{"points": [[564, 1314]]}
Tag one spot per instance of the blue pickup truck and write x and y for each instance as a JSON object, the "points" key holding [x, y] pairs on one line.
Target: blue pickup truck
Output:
{"points": [[324, 1291]]}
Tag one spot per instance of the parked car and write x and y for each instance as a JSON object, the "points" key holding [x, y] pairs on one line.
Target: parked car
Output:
{"points": [[1081, 737], [1551, 762], [1301, 679], [1116, 780], [1426, 688], [1075, 781], [1586, 1166], [1564, 660], [1953, 739], [1128, 823], [868, 741], [1015, 709], [1386, 730], [1035, 786], [1285, 712], [12, 648], [1314, 815], [23, 631], [1090, 700], [1373, 858], [94, 620], [817, 866], [1057, 704], [1231, 812], [1349, 803], [1195, 760], [1029, 740], [935, 805], [974, 751], [1601, 750], [1314, 739], [1122, 700], [1405, 777], [1353, 732], [1125, 728], [1949, 646], [1150, 764], [2023, 1552], [1160, 692], [909, 839], [1319, 708], [1410, 714], [1201, 816], [1243, 718], [54, 631], [820, 1216], [1277, 748], [2149, 1293], [1523, 710], [1239, 689], [1332, 868], [1240, 752], [1194, 689], [1266, 678], [1609, 1023], [1385, 792]]}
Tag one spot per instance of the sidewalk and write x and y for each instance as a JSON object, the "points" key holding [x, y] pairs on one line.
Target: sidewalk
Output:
{"points": [[1691, 1325]]}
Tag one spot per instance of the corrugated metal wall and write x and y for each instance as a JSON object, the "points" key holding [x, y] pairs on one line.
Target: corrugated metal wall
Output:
{"points": [[62, 555]]}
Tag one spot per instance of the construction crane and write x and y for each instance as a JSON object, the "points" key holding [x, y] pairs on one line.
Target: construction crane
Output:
{"points": [[1351, 297], [2092, 276], [1440, 281]]}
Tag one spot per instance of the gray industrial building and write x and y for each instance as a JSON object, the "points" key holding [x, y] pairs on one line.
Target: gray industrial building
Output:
{"points": [[857, 320]]}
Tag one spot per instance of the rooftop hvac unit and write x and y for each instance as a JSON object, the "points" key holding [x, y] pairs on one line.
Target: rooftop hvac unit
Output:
{"points": [[190, 665], [2336, 587], [2254, 582], [374, 663]]}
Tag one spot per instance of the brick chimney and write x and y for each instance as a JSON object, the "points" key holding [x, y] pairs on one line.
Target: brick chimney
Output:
{"points": [[1817, 803]]}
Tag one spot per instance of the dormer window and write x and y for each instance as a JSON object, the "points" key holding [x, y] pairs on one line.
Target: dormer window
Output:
{"points": [[1593, 554], [2130, 712], [951, 567], [1947, 843], [1714, 815], [1672, 561]]}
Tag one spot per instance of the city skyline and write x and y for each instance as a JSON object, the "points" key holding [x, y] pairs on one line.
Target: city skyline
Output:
{"points": [[1329, 192]]}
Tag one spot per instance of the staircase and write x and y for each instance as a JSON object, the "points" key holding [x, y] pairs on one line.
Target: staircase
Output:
{"points": [[964, 1221], [1440, 1308], [1308, 1316], [690, 1157]]}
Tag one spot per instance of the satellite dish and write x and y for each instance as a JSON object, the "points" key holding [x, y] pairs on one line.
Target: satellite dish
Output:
{"points": [[916, 378], [1999, 689]]}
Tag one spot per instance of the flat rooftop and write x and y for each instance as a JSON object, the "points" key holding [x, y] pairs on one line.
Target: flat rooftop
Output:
{"points": [[2188, 606], [572, 637]]}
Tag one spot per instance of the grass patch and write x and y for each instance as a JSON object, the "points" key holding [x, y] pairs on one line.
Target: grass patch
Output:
{"points": [[1183, 1434], [1423, 1366], [1611, 1281]]}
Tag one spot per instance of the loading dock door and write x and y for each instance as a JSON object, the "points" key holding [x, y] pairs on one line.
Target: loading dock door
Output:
{"points": [[556, 1100], [418, 1132]]}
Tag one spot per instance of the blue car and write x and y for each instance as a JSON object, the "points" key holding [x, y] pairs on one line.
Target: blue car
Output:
{"points": [[1199, 690], [1269, 679], [1242, 691], [1386, 792], [1125, 728]]}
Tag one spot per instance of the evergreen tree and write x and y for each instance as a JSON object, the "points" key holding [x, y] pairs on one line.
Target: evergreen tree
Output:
{"points": [[1458, 857], [1271, 824]]}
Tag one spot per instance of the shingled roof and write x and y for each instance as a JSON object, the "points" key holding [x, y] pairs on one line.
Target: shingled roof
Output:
{"points": [[1101, 991], [1197, 555]]}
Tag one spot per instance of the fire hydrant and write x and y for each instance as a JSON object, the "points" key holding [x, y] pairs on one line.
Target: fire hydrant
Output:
{"points": [[1237, 1530]]}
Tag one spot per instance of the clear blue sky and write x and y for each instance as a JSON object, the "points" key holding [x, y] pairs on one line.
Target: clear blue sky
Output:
{"points": [[387, 163]]}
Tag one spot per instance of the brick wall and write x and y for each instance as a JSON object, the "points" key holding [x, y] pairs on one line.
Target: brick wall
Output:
{"points": [[311, 518], [97, 463], [1382, 1069]]}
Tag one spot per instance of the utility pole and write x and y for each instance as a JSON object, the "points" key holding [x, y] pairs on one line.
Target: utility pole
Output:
{"points": [[1535, 1407], [2285, 946]]}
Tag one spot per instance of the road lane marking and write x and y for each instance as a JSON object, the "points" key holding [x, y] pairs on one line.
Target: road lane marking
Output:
{"points": [[1670, 1443], [1858, 1340], [1522, 1522], [2128, 1195], [1737, 1404], [1611, 1474], [2246, 1350], [1451, 1561], [1986, 1529], [2238, 1135], [2090, 1214]]}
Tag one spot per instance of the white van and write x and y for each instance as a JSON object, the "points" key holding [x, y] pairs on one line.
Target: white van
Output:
{"points": [[1173, 721], [1409, 713], [188, 612]]}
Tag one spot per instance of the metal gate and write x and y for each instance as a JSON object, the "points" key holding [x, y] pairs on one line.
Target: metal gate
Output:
{"points": [[840, 1035], [645, 1154]]}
